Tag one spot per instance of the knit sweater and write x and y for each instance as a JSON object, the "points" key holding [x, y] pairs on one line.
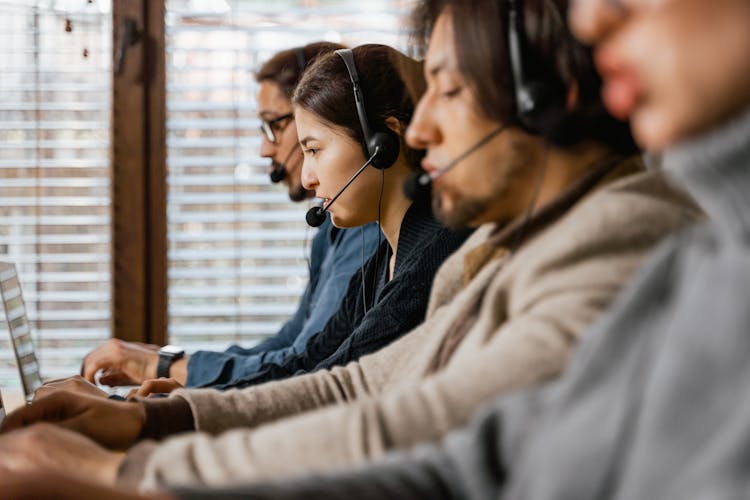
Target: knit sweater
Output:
{"points": [[655, 401], [393, 307], [336, 256], [520, 315]]}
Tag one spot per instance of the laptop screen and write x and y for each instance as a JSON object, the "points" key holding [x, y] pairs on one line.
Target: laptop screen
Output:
{"points": [[20, 330]]}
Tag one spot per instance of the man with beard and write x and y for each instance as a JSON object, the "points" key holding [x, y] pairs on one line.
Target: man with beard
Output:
{"points": [[335, 256]]}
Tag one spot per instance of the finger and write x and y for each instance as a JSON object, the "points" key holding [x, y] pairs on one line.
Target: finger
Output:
{"points": [[147, 388], [58, 380], [44, 391], [54, 407], [163, 386], [114, 378], [92, 364]]}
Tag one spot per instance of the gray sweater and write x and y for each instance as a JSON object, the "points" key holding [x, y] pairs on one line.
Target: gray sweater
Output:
{"points": [[656, 401]]}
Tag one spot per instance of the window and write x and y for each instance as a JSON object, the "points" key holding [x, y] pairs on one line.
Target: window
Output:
{"points": [[55, 174], [236, 256], [236, 245]]}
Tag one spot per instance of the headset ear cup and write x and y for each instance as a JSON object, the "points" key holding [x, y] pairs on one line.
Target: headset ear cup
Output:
{"points": [[388, 146], [541, 107]]}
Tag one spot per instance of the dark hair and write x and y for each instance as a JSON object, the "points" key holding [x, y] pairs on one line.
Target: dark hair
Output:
{"points": [[550, 53], [391, 83], [286, 67]]}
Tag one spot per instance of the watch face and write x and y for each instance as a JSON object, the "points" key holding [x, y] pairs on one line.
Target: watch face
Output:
{"points": [[172, 349]]}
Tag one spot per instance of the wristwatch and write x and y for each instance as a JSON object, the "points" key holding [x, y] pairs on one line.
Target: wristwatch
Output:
{"points": [[168, 355]]}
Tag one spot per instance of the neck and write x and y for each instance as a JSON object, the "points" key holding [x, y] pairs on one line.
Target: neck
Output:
{"points": [[715, 169], [560, 168], [395, 203]]}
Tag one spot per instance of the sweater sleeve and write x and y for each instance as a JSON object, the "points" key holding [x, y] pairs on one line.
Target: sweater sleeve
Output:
{"points": [[466, 464], [527, 331], [321, 303], [318, 346]]}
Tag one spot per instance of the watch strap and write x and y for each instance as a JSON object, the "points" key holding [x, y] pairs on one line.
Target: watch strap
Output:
{"points": [[162, 368]]}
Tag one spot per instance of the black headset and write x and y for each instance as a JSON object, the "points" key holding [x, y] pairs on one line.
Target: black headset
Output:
{"points": [[540, 104], [383, 146]]}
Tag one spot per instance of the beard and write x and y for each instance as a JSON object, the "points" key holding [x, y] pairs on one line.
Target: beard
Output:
{"points": [[465, 209], [298, 193]]}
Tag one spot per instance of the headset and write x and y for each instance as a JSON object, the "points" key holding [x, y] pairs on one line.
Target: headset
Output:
{"points": [[384, 146], [540, 104], [381, 149]]}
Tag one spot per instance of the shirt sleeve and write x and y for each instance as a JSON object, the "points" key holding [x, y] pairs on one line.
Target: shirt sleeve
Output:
{"points": [[227, 369]]}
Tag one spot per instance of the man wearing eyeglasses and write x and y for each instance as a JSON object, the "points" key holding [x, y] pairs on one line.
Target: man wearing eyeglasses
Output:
{"points": [[335, 256]]}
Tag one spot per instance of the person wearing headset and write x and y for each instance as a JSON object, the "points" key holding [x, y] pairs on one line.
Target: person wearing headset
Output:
{"points": [[518, 143], [335, 256], [388, 297], [357, 163]]}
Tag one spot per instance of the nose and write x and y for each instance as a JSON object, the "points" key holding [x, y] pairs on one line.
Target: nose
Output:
{"points": [[423, 130], [592, 20], [309, 179], [267, 148]]}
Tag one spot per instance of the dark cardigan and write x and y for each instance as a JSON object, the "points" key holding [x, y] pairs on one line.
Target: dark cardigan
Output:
{"points": [[397, 307]]}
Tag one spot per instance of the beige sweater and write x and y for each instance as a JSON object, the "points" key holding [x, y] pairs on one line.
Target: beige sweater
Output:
{"points": [[533, 307]]}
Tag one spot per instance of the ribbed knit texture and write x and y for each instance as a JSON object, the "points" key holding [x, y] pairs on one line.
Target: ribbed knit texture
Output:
{"points": [[392, 310]]}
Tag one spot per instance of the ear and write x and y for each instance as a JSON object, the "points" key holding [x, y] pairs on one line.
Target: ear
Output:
{"points": [[572, 99], [392, 123]]}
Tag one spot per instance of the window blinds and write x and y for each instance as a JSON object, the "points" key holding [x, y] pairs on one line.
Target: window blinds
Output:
{"points": [[55, 174]]}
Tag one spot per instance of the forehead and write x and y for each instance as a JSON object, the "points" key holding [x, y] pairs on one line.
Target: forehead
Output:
{"points": [[311, 126], [441, 51], [271, 100], [308, 123]]}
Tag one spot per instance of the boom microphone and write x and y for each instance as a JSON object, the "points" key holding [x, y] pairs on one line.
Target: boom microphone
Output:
{"points": [[278, 173], [418, 186], [317, 215]]}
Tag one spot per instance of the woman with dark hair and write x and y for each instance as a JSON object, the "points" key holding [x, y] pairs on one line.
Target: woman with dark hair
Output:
{"points": [[389, 297], [335, 256]]}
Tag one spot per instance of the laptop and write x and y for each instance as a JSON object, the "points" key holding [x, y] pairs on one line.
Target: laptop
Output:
{"points": [[20, 329]]}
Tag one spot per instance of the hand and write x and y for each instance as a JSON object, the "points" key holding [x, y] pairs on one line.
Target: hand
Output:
{"points": [[124, 363], [76, 384], [47, 447], [51, 484], [155, 386], [114, 424]]}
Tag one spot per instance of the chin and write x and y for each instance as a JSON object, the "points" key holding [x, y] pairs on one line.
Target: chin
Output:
{"points": [[298, 193], [345, 221]]}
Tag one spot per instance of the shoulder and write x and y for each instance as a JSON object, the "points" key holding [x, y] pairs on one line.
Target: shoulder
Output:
{"points": [[611, 229], [644, 204]]}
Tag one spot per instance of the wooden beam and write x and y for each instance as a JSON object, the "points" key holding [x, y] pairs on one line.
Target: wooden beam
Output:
{"points": [[139, 294]]}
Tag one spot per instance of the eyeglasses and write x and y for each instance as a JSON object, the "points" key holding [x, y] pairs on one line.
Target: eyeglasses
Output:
{"points": [[270, 128]]}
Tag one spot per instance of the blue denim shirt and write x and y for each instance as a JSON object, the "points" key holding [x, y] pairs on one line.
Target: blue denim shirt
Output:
{"points": [[336, 254]]}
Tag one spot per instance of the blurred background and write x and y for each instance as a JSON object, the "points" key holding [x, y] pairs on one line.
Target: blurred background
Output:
{"points": [[146, 223]]}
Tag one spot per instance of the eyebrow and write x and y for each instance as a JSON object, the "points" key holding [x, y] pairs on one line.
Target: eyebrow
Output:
{"points": [[442, 64], [307, 139], [269, 114]]}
